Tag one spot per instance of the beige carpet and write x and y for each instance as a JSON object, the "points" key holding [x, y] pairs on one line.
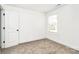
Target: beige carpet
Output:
{"points": [[44, 46]]}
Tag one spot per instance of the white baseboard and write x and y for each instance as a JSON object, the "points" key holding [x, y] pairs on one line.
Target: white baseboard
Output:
{"points": [[63, 43]]}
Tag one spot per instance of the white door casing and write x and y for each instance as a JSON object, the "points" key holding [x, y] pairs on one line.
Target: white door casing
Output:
{"points": [[2, 31]]}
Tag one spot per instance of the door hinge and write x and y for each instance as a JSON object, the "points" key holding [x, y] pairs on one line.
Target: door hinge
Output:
{"points": [[3, 27], [3, 14], [3, 41]]}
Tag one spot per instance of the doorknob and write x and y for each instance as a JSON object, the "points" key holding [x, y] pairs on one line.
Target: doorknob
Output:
{"points": [[17, 30]]}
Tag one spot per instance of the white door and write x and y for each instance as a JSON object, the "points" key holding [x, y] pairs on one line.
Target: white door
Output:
{"points": [[11, 28]]}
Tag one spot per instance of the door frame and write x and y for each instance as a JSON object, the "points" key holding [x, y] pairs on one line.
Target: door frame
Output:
{"points": [[2, 28]]}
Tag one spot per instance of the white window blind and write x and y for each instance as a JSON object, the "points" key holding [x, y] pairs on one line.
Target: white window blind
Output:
{"points": [[52, 23]]}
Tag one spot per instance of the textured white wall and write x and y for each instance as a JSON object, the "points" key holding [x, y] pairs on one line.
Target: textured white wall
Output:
{"points": [[32, 26], [68, 29]]}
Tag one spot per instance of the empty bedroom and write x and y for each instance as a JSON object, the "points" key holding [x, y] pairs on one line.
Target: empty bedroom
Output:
{"points": [[39, 29]]}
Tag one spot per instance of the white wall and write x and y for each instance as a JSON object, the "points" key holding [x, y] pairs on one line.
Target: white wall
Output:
{"points": [[68, 26], [31, 24]]}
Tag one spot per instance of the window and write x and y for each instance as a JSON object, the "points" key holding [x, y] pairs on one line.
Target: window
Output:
{"points": [[52, 23]]}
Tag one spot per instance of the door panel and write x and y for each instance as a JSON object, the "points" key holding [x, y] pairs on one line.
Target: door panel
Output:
{"points": [[11, 26]]}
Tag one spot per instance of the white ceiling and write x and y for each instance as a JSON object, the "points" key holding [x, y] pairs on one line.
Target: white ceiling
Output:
{"points": [[37, 7]]}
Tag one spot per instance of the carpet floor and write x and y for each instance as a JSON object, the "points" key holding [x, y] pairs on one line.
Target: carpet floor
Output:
{"points": [[44, 46]]}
